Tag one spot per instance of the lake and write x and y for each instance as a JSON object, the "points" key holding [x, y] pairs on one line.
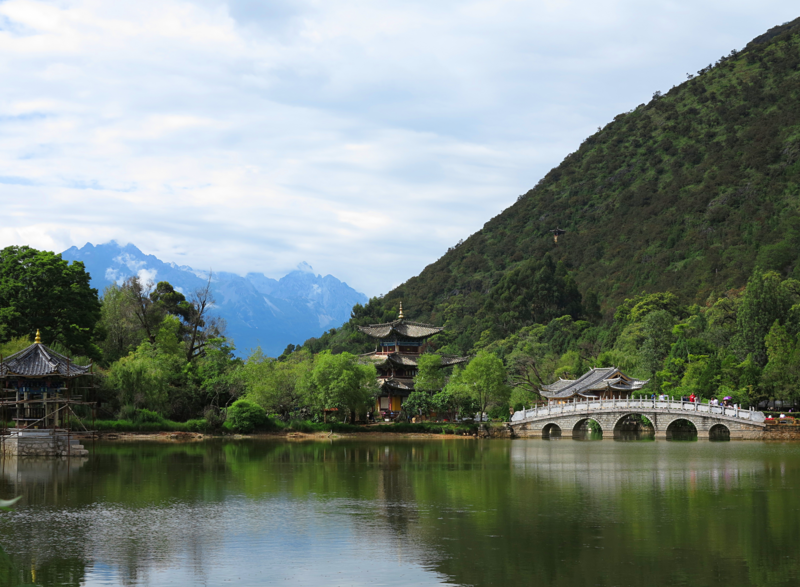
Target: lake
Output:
{"points": [[406, 512]]}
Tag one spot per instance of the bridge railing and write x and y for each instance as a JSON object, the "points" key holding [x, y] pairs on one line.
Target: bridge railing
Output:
{"points": [[617, 404]]}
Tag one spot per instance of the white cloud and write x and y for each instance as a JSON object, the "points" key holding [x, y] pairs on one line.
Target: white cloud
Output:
{"points": [[363, 137], [129, 261], [147, 276]]}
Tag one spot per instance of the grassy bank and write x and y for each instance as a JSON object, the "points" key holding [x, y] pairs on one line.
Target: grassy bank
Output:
{"points": [[398, 427], [274, 426]]}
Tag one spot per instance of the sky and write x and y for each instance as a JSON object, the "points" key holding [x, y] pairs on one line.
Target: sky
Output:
{"points": [[363, 137]]}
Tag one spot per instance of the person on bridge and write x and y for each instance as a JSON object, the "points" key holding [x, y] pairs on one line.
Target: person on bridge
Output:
{"points": [[693, 398]]}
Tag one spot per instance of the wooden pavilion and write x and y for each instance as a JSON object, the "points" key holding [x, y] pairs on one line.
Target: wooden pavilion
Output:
{"points": [[39, 387]]}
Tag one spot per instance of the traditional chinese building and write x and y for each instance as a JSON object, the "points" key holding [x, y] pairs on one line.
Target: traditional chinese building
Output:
{"points": [[602, 383], [39, 392], [399, 346]]}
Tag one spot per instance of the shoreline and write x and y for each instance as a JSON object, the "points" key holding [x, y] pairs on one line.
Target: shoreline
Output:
{"points": [[290, 435], [784, 434]]}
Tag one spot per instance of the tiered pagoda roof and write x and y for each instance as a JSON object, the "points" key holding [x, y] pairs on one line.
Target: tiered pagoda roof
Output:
{"points": [[40, 361], [397, 385], [401, 328], [588, 384], [407, 360], [395, 358]]}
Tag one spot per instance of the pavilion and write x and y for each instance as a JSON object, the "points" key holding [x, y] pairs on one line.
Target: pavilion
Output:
{"points": [[597, 383], [39, 388]]}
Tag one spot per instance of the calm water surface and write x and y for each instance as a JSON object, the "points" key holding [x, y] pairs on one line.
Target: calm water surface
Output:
{"points": [[406, 512]]}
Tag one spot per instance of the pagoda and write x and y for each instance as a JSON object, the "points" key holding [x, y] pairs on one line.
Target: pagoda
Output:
{"points": [[38, 386], [399, 345]]}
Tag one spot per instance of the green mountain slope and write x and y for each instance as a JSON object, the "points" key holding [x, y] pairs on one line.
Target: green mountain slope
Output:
{"points": [[686, 194]]}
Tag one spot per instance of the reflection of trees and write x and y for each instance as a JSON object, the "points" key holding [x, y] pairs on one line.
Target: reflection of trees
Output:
{"points": [[478, 513], [566, 514], [65, 572]]}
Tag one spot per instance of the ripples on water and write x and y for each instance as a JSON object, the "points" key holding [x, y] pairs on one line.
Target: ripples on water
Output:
{"points": [[450, 512]]}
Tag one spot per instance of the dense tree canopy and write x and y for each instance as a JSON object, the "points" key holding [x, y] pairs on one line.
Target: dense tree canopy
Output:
{"points": [[40, 290]]}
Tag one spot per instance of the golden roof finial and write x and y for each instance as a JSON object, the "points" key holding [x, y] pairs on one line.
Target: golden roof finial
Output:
{"points": [[400, 317], [38, 337]]}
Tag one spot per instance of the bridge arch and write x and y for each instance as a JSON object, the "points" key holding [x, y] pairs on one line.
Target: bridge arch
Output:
{"points": [[634, 424], [587, 429], [681, 429], [719, 432], [551, 430]]}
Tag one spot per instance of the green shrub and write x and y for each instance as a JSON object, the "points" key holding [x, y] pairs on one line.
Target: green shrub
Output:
{"points": [[246, 416], [148, 416], [127, 412], [199, 425], [213, 418], [300, 426], [130, 426]]}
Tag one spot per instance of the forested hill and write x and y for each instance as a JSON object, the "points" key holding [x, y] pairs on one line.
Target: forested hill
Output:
{"points": [[686, 194]]}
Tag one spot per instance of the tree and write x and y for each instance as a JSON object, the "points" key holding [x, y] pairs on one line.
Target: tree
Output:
{"points": [[658, 338], [146, 305], [455, 398], [40, 290], [418, 403], [430, 376], [783, 367], [171, 301], [340, 381], [147, 311], [428, 380], [119, 327], [484, 379], [764, 302], [220, 375], [142, 379], [278, 386], [200, 326], [246, 416]]}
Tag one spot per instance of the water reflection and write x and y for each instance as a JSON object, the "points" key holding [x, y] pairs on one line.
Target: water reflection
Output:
{"points": [[460, 512]]}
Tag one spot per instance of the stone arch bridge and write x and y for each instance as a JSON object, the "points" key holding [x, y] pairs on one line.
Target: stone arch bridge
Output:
{"points": [[612, 415]]}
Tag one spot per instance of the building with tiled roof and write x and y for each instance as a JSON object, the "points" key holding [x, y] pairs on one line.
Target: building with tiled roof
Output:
{"points": [[599, 383], [36, 386], [399, 345]]}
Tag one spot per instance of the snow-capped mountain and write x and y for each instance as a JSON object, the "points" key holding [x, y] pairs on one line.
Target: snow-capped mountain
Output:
{"points": [[259, 311]]}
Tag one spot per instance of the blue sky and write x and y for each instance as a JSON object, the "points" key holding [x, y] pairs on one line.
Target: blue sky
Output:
{"points": [[362, 137]]}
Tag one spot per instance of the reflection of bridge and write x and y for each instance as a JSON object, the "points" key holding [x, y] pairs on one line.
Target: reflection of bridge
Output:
{"points": [[613, 414]]}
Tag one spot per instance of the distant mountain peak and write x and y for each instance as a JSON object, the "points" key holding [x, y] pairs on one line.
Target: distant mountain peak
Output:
{"points": [[259, 310]]}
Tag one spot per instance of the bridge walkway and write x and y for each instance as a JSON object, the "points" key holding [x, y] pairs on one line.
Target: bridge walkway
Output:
{"points": [[610, 413]]}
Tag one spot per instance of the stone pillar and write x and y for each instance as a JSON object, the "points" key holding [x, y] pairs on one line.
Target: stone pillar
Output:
{"points": [[661, 434]]}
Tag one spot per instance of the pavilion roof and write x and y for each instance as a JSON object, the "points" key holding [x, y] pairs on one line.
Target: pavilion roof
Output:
{"points": [[592, 381], [396, 386], [406, 360], [403, 328], [40, 361]]}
